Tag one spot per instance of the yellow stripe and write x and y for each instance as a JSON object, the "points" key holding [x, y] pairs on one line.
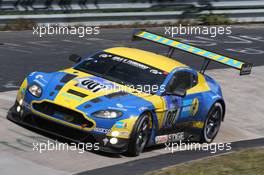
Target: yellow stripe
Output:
{"points": [[201, 86], [23, 87], [159, 104], [73, 102]]}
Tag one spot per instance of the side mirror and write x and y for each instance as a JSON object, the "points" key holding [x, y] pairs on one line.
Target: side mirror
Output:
{"points": [[177, 92], [75, 58]]}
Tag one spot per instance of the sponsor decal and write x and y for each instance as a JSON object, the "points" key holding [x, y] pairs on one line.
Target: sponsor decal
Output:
{"points": [[39, 76], [124, 133], [194, 107], [40, 79], [130, 62], [143, 108], [95, 84], [154, 71], [187, 108], [169, 138], [161, 139], [176, 137], [40, 83], [119, 105], [90, 84], [171, 117], [105, 55], [120, 125], [102, 130], [116, 108], [135, 64]]}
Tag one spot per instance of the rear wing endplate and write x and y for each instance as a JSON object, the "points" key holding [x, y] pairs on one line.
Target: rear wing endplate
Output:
{"points": [[245, 68]]}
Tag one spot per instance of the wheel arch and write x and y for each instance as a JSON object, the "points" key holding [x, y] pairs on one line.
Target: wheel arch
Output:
{"points": [[148, 112], [131, 149], [222, 102], [155, 125]]}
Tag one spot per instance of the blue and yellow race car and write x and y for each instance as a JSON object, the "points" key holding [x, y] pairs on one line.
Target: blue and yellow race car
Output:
{"points": [[126, 99]]}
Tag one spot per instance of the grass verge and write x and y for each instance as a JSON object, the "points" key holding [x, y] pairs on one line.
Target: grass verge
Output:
{"points": [[249, 161]]}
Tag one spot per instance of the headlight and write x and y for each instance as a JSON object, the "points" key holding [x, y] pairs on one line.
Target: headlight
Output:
{"points": [[35, 90], [107, 114]]}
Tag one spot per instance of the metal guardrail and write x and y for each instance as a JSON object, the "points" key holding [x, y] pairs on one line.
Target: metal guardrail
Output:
{"points": [[62, 5], [253, 13]]}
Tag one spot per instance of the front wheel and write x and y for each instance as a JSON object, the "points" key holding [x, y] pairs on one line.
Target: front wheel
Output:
{"points": [[140, 135], [212, 123]]}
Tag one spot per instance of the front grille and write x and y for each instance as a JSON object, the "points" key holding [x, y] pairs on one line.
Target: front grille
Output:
{"points": [[58, 129], [62, 113]]}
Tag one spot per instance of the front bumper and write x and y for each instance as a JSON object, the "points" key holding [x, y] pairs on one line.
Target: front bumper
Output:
{"points": [[62, 131]]}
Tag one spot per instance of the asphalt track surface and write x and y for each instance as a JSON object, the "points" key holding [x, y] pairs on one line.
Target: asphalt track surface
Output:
{"points": [[22, 53]]}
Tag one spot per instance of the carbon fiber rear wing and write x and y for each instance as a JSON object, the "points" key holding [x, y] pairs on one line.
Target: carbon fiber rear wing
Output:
{"points": [[245, 68]]}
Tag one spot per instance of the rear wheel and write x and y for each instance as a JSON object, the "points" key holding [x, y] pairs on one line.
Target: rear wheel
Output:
{"points": [[140, 135], [212, 123]]}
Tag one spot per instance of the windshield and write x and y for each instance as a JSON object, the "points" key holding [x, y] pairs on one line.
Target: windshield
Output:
{"points": [[124, 71]]}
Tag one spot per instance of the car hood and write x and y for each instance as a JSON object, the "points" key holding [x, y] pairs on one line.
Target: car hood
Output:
{"points": [[88, 92]]}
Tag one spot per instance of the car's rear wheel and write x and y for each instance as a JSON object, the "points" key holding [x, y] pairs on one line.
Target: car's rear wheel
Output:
{"points": [[140, 135], [212, 123]]}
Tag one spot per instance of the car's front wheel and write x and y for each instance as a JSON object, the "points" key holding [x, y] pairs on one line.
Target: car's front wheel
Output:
{"points": [[212, 123], [140, 135]]}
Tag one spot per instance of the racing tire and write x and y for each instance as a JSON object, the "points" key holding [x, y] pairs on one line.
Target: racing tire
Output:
{"points": [[140, 135], [212, 123]]}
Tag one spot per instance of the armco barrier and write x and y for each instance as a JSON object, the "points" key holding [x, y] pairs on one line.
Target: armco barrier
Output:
{"points": [[252, 11]]}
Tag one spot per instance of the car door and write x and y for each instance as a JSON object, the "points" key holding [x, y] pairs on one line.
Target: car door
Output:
{"points": [[180, 109], [186, 80]]}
